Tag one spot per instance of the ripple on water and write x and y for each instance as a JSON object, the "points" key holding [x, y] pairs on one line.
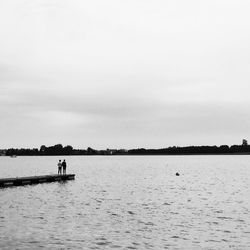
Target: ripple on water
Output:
{"points": [[130, 203], [224, 218], [131, 247]]}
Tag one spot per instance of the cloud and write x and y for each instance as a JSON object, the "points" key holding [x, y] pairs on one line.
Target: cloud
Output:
{"points": [[132, 73]]}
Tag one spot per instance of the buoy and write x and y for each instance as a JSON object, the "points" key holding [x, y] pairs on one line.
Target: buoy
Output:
{"points": [[177, 174]]}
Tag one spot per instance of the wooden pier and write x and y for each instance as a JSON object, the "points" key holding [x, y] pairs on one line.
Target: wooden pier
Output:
{"points": [[21, 181]]}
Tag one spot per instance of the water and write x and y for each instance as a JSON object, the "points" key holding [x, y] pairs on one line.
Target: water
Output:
{"points": [[128, 202]]}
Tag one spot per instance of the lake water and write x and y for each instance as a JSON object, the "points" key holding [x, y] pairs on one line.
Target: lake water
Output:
{"points": [[128, 202]]}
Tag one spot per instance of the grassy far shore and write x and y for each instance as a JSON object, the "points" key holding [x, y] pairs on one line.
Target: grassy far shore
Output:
{"points": [[59, 149]]}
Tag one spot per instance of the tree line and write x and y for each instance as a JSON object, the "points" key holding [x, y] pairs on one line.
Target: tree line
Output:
{"points": [[59, 149]]}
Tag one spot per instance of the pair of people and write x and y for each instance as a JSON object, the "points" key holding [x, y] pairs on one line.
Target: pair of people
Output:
{"points": [[62, 166]]}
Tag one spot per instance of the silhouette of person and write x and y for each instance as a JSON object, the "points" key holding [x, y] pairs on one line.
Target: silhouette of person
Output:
{"points": [[59, 164], [64, 165]]}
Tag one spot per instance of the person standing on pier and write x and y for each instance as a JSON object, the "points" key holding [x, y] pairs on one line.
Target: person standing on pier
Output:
{"points": [[59, 164], [64, 165]]}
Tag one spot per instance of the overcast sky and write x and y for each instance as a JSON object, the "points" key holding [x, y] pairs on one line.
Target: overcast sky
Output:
{"points": [[124, 74]]}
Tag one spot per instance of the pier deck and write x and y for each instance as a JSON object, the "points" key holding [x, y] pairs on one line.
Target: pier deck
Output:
{"points": [[20, 181]]}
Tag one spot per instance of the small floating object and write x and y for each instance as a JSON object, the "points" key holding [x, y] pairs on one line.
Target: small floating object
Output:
{"points": [[177, 174], [130, 212]]}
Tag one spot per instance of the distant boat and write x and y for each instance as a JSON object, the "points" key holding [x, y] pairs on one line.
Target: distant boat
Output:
{"points": [[13, 156]]}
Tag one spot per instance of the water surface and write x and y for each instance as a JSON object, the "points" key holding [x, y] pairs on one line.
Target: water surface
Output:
{"points": [[128, 202]]}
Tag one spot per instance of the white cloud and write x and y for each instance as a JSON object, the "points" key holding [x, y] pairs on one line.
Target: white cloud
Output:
{"points": [[124, 72]]}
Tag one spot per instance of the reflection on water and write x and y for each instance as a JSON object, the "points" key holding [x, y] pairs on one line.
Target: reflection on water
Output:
{"points": [[128, 203]]}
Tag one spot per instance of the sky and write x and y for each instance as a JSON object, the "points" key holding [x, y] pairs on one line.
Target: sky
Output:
{"points": [[124, 74]]}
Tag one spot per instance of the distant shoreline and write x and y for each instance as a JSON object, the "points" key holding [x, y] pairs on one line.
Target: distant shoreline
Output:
{"points": [[59, 150], [229, 154]]}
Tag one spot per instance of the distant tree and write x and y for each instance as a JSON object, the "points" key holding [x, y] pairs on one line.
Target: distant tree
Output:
{"points": [[68, 150], [11, 151], [91, 151], [244, 142], [42, 149], [223, 149]]}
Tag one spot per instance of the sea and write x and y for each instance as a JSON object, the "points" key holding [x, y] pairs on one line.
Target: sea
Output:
{"points": [[128, 202]]}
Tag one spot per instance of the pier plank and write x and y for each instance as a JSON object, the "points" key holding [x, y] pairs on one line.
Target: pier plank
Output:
{"points": [[26, 180]]}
